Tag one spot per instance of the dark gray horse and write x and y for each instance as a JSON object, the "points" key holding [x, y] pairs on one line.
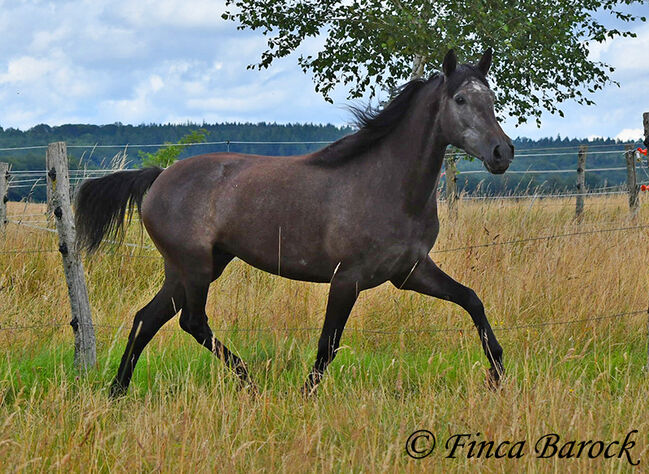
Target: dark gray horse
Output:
{"points": [[355, 214]]}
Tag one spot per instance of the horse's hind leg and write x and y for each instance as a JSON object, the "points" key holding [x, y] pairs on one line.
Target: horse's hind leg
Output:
{"points": [[340, 302], [193, 318], [164, 305], [428, 279]]}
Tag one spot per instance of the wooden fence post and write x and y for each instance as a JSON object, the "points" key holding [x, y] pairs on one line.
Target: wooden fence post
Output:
{"points": [[451, 183], [581, 179], [4, 190], [58, 182], [631, 179], [645, 123]]}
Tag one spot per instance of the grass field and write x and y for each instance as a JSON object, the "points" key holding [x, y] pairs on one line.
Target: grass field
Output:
{"points": [[183, 413]]}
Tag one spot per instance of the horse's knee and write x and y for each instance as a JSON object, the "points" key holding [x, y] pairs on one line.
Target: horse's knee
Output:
{"points": [[191, 324], [141, 325], [472, 303]]}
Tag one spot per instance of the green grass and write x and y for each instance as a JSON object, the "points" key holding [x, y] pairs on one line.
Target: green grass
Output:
{"points": [[185, 413]]}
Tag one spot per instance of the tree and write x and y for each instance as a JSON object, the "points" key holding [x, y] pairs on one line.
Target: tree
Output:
{"points": [[541, 46], [168, 155]]}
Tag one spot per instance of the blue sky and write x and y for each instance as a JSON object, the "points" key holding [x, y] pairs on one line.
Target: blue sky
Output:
{"points": [[175, 61]]}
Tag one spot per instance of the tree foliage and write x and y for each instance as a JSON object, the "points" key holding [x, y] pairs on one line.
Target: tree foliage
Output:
{"points": [[168, 155], [541, 46]]}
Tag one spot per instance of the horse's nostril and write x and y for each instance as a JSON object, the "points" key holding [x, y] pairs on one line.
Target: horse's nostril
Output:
{"points": [[497, 152]]}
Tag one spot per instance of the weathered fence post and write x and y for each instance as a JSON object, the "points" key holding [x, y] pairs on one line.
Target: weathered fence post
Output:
{"points": [[631, 179], [451, 183], [4, 190], [581, 179], [58, 182], [645, 123]]}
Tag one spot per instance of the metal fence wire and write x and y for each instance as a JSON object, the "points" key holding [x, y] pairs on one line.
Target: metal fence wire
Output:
{"points": [[596, 318]]}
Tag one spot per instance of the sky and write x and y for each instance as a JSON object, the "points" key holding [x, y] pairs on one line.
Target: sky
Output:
{"points": [[175, 61]]}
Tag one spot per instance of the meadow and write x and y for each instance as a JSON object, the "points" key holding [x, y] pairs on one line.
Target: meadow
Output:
{"points": [[407, 362]]}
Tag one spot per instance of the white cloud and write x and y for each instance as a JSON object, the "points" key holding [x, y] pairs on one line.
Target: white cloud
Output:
{"points": [[630, 134], [27, 69], [103, 61], [171, 13], [630, 54], [43, 40], [156, 83]]}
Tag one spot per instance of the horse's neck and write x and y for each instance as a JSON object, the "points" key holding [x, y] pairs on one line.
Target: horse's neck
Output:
{"points": [[413, 158]]}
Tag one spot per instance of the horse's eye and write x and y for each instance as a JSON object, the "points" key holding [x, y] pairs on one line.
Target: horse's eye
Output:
{"points": [[459, 99]]}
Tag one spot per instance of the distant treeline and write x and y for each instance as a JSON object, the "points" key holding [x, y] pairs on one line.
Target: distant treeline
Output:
{"points": [[556, 153]]}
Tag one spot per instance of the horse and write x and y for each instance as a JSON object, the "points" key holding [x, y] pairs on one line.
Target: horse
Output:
{"points": [[355, 214]]}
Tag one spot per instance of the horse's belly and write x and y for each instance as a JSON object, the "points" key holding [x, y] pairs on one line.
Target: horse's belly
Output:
{"points": [[301, 269]]}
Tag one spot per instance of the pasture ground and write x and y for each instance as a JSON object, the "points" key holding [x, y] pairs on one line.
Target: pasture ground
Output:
{"points": [[183, 413]]}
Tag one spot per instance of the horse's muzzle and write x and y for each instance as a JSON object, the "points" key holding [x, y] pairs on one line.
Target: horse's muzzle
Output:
{"points": [[502, 155]]}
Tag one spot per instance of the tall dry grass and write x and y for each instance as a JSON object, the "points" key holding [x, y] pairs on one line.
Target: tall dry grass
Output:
{"points": [[183, 413]]}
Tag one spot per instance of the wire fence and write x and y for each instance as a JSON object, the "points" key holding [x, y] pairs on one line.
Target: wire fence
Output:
{"points": [[34, 182], [521, 151], [619, 315], [34, 179], [54, 231], [458, 329], [37, 178]]}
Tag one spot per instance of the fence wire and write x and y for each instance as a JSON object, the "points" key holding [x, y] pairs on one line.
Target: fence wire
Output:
{"points": [[367, 330], [34, 178], [454, 249], [458, 329], [544, 237], [519, 152]]}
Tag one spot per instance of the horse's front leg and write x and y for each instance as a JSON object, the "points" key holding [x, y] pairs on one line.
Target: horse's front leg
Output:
{"points": [[428, 279]]}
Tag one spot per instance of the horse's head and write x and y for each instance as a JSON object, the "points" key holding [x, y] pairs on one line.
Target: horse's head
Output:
{"points": [[467, 118]]}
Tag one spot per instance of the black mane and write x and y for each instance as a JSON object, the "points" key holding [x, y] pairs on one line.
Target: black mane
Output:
{"points": [[375, 123]]}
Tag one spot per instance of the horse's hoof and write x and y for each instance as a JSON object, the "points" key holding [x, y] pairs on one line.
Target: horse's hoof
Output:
{"points": [[117, 391], [309, 390], [493, 379], [252, 389]]}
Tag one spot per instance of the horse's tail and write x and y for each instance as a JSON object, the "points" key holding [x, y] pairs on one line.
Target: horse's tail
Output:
{"points": [[101, 205]]}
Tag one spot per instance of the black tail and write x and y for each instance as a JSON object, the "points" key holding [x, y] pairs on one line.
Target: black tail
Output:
{"points": [[101, 205]]}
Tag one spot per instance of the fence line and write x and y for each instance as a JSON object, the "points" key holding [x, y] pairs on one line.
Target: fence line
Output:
{"points": [[57, 164], [595, 192], [87, 173], [77, 171], [299, 142], [541, 196], [455, 249], [48, 229], [545, 237], [570, 170], [358, 330]]}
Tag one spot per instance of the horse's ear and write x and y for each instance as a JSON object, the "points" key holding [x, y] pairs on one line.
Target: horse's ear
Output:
{"points": [[485, 61], [450, 63]]}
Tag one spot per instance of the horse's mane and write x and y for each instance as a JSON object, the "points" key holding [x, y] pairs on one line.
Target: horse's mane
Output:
{"points": [[373, 125]]}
